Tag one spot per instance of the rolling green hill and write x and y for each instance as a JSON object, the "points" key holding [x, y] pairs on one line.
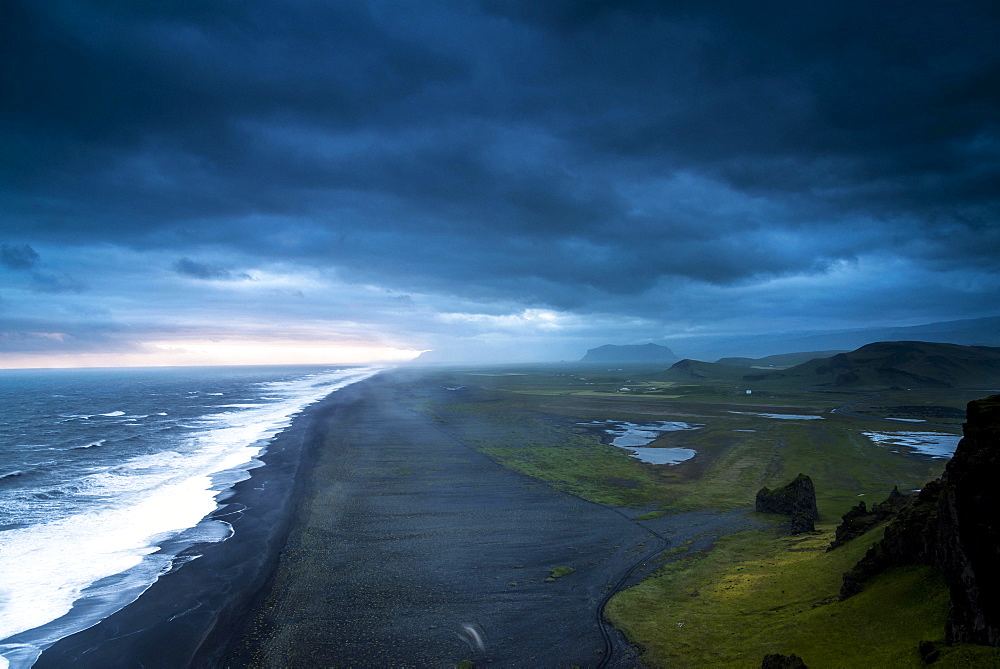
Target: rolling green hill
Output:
{"points": [[687, 370], [780, 361], [901, 364]]}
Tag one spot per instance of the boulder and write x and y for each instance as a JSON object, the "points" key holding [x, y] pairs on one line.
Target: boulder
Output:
{"points": [[859, 519], [778, 661], [797, 499]]}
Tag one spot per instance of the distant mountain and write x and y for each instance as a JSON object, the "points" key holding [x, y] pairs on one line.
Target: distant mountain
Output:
{"points": [[968, 332], [630, 353], [780, 361], [904, 364], [687, 370]]}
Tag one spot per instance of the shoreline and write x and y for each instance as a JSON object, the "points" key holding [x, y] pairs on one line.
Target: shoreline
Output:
{"points": [[192, 606], [371, 537]]}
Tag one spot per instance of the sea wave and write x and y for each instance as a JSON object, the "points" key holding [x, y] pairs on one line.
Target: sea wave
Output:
{"points": [[113, 547], [93, 444]]}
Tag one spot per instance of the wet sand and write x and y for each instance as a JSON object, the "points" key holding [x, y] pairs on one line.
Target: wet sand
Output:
{"points": [[393, 537]]}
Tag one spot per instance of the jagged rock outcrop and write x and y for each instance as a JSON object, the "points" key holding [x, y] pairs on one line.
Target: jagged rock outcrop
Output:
{"points": [[908, 540], [860, 519], [954, 526], [797, 499], [778, 661]]}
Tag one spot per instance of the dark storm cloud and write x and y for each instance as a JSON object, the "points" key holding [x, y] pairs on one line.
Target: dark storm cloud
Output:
{"points": [[792, 96], [18, 256], [559, 153]]}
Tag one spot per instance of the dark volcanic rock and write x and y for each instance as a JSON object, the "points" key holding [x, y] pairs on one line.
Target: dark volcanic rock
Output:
{"points": [[954, 525], [906, 541], [797, 499], [778, 661], [968, 541], [859, 519], [802, 523], [929, 652]]}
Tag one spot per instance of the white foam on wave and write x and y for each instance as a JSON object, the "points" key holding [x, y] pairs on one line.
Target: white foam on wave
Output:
{"points": [[112, 414], [75, 416], [109, 554], [92, 444], [933, 444], [46, 567]]}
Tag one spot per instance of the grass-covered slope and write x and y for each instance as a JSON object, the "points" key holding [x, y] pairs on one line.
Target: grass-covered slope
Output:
{"points": [[779, 361], [689, 370], [755, 594], [905, 364]]}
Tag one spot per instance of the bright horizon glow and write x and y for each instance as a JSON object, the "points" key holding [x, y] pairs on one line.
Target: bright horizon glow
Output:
{"points": [[206, 353]]}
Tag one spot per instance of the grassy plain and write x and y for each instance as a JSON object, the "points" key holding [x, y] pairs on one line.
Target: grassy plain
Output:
{"points": [[754, 592], [536, 415]]}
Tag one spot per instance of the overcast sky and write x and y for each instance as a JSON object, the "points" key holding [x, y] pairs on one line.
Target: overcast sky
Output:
{"points": [[193, 181]]}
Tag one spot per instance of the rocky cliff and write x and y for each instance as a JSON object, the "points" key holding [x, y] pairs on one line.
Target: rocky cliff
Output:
{"points": [[954, 526], [860, 519], [797, 499]]}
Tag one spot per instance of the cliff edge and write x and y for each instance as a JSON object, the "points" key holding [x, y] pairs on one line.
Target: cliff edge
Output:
{"points": [[954, 526]]}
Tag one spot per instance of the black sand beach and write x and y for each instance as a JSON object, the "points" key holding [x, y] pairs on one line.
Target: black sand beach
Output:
{"points": [[203, 600], [372, 538]]}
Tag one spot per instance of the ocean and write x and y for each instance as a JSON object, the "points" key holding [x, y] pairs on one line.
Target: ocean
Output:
{"points": [[107, 475]]}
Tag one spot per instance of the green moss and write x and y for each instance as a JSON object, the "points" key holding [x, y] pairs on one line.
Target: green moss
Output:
{"points": [[755, 594], [587, 468], [964, 656], [737, 453], [652, 515]]}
